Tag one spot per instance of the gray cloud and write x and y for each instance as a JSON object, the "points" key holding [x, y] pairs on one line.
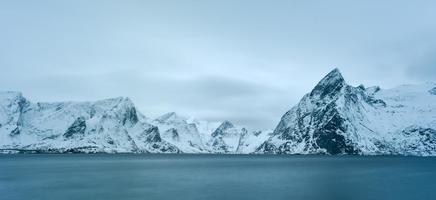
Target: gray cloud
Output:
{"points": [[216, 60]]}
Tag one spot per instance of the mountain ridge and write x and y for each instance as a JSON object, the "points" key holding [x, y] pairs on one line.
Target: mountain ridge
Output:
{"points": [[333, 118], [336, 118]]}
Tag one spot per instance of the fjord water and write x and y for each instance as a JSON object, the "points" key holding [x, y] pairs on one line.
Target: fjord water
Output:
{"points": [[128, 176]]}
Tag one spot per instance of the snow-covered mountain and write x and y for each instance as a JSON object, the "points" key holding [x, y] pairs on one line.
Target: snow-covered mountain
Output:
{"points": [[336, 118], [195, 136], [178, 131], [111, 125], [228, 138]]}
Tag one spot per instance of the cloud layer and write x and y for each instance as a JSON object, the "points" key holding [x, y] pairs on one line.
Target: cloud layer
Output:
{"points": [[246, 61]]}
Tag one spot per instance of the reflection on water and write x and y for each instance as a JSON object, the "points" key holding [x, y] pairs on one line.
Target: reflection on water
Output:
{"points": [[215, 177]]}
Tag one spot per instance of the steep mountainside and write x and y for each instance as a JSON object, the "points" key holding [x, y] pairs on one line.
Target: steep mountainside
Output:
{"points": [[194, 136], [179, 132], [228, 138], [111, 125], [336, 118]]}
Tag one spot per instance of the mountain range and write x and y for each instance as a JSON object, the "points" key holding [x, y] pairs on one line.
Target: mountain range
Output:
{"points": [[334, 118]]}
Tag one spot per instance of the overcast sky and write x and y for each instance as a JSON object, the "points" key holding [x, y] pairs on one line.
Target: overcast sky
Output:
{"points": [[245, 61]]}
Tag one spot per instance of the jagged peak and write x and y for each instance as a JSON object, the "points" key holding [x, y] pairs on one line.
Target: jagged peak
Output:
{"points": [[432, 91], [373, 89], [225, 125], [331, 83], [171, 116], [332, 77], [222, 128], [168, 115], [335, 71]]}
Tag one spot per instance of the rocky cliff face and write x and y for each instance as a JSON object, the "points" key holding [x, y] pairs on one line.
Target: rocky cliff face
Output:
{"points": [[110, 125], [225, 139], [178, 131], [193, 136], [336, 118]]}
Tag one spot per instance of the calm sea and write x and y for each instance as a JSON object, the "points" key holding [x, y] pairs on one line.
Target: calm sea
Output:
{"points": [[210, 177]]}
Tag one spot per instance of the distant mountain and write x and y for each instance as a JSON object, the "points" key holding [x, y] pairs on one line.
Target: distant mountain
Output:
{"points": [[194, 136], [110, 126], [228, 138], [179, 132], [336, 118]]}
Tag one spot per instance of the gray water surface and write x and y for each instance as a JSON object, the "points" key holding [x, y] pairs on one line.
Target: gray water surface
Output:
{"points": [[210, 177]]}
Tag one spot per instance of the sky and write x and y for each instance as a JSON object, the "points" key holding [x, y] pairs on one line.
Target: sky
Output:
{"points": [[247, 61]]}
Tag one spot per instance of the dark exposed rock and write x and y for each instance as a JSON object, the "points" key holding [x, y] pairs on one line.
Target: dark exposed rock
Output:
{"points": [[267, 147], [110, 141], [257, 133], [174, 133], [152, 135], [15, 132], [219, 145], [77, 128], [130, 116], [329, 86], [432, 91], [373, 90], [166, 148], [424, 141], [222, 128], [23, 106], [329, 137], [427, 134]]}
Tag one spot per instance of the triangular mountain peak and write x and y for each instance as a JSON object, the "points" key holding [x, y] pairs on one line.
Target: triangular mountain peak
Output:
{"points": [[223, 127], [330, 84], [169, 117], [226, 124]]}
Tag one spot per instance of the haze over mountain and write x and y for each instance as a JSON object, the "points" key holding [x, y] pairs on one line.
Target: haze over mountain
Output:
{"points": [[334, 118], [210, 59]]}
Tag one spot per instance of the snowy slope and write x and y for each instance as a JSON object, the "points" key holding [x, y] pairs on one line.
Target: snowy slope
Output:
{"points": [[111, 125], [179, 132], [195, 136], [336, 118], [228, 138], [250, 141]]}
